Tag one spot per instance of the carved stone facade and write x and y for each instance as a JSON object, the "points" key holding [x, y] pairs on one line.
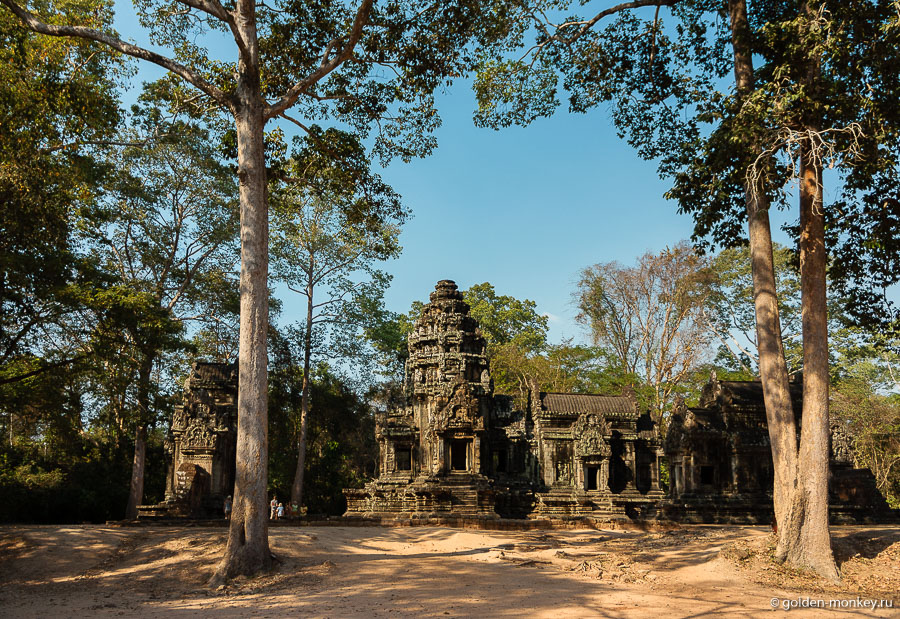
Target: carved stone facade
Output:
{"points": [[454, 448], [200, 448], [720, 461]]}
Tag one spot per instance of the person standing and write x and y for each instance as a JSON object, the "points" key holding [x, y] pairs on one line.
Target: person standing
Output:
{"points": [[273, 507], [280, 513], [227, 507]]}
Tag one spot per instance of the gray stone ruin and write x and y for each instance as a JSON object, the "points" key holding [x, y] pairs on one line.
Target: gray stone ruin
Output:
{"points": [[454, 448], [200, 448], [720, 461]]}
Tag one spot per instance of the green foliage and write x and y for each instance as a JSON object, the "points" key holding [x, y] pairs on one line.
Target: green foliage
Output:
{"points": [[382, 93], [826, 75], [341, 449], [506, 320], [333, 221], [57, 98], [386, 333], [515, 335], [84, 480], [873, 421], [730, 312]]}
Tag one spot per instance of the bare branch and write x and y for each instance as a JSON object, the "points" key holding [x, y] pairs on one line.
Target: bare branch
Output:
{"points": [[214, 8], [587, 25]]}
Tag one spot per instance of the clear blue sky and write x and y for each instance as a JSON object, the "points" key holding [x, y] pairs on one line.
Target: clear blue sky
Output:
{"points": [[526, 208], [523, 208]]}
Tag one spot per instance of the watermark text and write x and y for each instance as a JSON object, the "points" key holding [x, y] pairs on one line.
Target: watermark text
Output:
{"points": [[850, 603]]}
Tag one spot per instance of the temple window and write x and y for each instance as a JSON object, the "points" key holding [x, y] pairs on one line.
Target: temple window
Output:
{"points": [[500, 460], [707, 475]]}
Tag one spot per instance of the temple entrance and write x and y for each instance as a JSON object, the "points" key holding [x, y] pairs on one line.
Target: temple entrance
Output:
{"points": [[644, 474], [499, 461], [459, 454], [591, 478]]}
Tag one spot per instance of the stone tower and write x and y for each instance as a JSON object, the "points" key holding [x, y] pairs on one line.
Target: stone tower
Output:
{"points": [[431, 448], [449, 386]]}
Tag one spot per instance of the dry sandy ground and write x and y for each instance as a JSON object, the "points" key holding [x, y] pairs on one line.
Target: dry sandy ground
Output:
{"points": [[89, 571]]}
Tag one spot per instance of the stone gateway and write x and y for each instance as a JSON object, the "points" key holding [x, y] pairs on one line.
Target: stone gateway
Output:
{"points": [[200, 448]]}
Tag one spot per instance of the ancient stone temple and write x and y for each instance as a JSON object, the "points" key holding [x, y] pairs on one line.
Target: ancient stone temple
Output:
{"points": [[200, 448], [720, 461], [454, 448], [598, 455]]}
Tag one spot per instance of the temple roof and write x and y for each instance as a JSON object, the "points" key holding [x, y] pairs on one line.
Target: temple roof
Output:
{"points": [[586, 403], [747, 393]]}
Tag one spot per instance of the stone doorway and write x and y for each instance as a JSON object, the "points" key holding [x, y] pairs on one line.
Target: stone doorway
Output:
{"points": [[592, 477], [459, 454]]}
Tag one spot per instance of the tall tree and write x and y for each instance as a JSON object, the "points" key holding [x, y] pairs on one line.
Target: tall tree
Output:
{"points": [[328, 60], [649, 316], [58, 100], [730, 311], [818, 98], [332, 225], [169, 230]]}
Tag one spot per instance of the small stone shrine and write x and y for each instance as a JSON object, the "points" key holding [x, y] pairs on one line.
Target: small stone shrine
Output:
{"points": [[200, 449], [721, 461], [454, 448]]}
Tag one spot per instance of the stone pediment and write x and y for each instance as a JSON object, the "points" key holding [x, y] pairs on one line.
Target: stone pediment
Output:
{"points": [[397, 423], [591, 433], [462, 410], [198, 436]]}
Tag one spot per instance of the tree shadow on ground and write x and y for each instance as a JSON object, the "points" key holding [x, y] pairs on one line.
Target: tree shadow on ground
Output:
{"points": [[866, 543]]}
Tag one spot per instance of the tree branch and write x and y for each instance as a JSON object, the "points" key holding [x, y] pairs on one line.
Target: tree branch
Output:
{"points": [[42, 369], [33, 23], [214, 8], [587, 25], [326, 65]]}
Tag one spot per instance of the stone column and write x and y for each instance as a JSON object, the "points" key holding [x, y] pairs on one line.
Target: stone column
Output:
{"points": [[688, 474], [654, 472], [735, 467], [169, 451], [631, 462], [549, 469]]}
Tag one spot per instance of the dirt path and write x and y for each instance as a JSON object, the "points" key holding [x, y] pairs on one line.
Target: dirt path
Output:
{"points": [[431, 572]]}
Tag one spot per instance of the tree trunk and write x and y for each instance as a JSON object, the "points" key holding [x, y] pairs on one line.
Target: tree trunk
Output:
{"points": [[247, 549], [808, 542], [136, 492], [772, 365], [297, 487]]}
